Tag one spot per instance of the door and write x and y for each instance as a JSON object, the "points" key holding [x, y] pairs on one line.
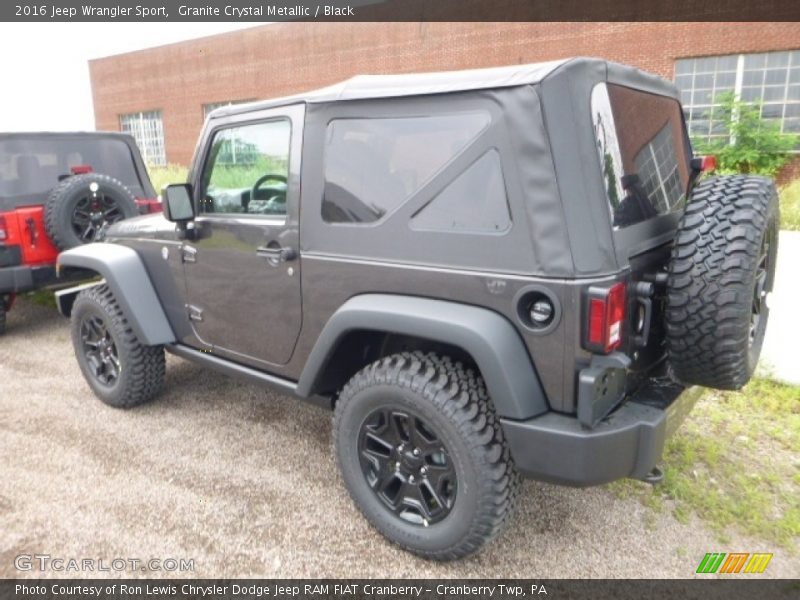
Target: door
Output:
{"points": [[242, 264]]}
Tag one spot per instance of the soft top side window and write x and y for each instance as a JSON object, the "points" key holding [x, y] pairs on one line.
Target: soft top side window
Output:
{"points": [[372, 166]]}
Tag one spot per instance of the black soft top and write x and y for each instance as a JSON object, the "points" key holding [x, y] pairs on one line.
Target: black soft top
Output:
{"points": [[364, 87]]}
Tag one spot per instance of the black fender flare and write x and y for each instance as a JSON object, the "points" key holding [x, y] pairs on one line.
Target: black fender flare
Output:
{"points": [[487, 336], [126, 276]]}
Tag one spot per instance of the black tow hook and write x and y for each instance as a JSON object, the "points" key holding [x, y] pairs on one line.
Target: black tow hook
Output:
{"points": [[653, 477]]}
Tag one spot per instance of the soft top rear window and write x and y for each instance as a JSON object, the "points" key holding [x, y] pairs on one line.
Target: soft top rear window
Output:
{"points": [[643, 150], [31, 167]]}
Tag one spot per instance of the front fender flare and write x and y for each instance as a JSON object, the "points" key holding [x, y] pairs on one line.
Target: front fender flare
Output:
{"points": [[488, 337], [127, 277]]}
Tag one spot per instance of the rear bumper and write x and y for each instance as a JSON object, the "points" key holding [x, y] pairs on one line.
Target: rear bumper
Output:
{"points": [[14, 280], [628, 443], [24, 278]]}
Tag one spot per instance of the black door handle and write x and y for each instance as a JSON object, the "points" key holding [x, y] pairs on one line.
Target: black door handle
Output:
{"points": [[277, 253]]}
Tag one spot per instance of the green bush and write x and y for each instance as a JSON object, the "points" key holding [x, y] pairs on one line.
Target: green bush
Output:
{"points": [[790, 206], [753, 144], [172, 173]]}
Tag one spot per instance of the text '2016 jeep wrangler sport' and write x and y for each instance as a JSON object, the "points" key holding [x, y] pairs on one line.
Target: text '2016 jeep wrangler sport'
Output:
{"points": [[484, 273]]}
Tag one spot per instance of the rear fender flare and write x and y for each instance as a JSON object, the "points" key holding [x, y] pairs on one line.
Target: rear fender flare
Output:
{"points": [[488, 337]]}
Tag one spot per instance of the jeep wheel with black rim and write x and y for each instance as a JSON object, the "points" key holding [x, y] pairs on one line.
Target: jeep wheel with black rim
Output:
{"points": [[121, 371], [721, 271], [78, 208], [423, 455]]}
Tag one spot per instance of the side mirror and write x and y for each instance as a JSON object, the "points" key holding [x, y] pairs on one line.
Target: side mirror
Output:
{"points": [[177, 201]]}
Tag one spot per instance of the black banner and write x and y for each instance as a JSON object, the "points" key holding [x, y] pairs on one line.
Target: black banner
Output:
{"points": [[398, 10], [391, 589]]}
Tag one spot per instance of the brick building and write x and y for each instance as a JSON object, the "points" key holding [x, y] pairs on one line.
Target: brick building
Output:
{"points": [[162, 95]]}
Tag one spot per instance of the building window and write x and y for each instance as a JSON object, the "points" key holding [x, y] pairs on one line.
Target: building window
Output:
{"points": [[211, 106], [147, 129], [772, 77]]}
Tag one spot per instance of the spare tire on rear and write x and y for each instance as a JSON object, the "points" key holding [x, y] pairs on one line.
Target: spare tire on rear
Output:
{"points": [[77, 208], [721, 270]]}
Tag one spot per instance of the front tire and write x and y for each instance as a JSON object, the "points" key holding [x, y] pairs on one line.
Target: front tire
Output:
{"points": [[121, 370], [423, 455]]}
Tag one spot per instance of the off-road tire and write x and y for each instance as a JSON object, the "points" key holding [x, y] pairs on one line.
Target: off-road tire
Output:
{"points": [[62, 201], [143, 367], [712, 280], [454, 400]]}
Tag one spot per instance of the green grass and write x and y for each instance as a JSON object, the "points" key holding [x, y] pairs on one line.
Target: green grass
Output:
{"points": [[790, 206], [734, 463], [43, 298], [161, 176]]}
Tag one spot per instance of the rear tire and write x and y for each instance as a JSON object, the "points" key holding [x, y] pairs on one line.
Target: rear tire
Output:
{"points": [[721, 270], [465, 478], [121, 371], [3, 306]]}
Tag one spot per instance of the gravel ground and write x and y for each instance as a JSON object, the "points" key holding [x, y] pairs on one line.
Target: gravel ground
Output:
{"points": [[242, 481]]}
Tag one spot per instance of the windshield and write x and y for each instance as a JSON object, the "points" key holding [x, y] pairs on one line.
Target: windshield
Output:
{"points": [[643, 152], [30, 168]]}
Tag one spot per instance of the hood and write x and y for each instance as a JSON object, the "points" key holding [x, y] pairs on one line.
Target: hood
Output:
{"points": [[146, 226]]}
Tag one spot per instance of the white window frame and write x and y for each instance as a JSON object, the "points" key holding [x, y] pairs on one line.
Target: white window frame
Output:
{"points": [[147, 128]]}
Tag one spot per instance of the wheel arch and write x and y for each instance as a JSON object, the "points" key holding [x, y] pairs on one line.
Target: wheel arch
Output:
{"points": [[126, 276], [486, 337]]}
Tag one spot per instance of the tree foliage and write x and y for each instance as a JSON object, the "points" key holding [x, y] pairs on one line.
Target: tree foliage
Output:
{"points": [[752, 145]]}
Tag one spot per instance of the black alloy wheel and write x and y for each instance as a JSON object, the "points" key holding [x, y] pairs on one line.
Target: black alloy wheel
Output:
{"points": [[93, 213], [407, 466], [100, 350], [761, 287]]}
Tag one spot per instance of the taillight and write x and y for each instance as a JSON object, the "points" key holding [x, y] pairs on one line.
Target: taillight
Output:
{"points": [[709, 163], [3, 229], [605, 316]]}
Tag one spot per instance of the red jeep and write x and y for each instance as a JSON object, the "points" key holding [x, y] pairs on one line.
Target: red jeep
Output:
{"points": [[60, 190]]}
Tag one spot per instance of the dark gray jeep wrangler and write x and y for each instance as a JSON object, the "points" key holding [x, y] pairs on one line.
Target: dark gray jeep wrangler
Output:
{"points": [[483, 273]]}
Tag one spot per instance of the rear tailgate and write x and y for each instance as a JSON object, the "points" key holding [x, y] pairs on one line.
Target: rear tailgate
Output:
{"points": [[645, 156], [35, 245]]}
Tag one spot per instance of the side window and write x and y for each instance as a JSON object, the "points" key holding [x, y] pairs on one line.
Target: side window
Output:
{"points": [[372, 166], [475, 202], [247, 168]]}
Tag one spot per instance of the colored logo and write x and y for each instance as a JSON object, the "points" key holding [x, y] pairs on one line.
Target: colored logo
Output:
{"points": [[735, 562]]}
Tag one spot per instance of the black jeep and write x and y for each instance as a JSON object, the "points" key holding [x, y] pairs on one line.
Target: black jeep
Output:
{"points": [[483, 273], [59, 190]]}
